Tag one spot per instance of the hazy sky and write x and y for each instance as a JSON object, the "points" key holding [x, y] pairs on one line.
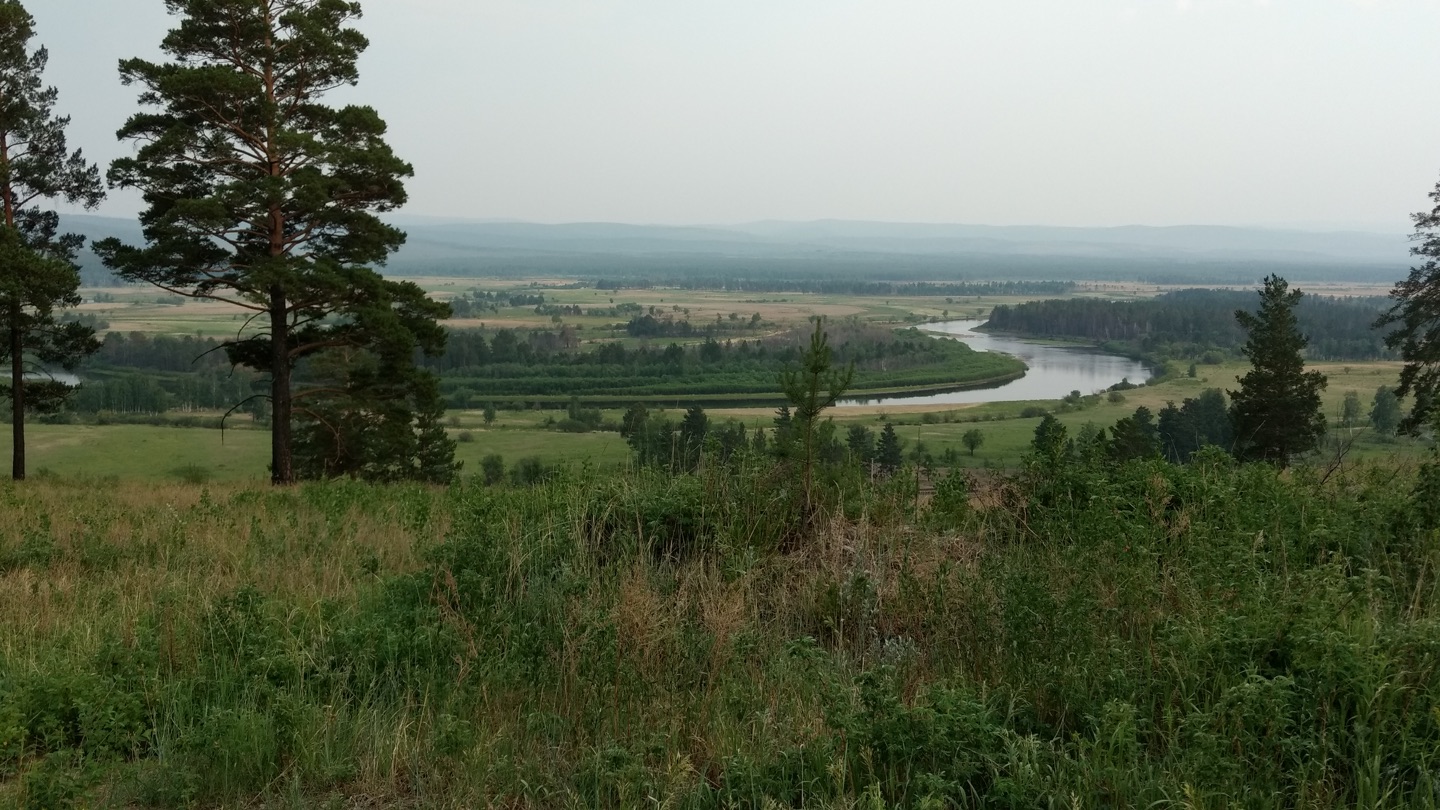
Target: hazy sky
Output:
{"points": [[1058, 112]]}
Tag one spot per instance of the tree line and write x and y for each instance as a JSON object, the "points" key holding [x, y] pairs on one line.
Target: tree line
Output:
{"points": [[1192, 323], [515, 364], [839, 286]]}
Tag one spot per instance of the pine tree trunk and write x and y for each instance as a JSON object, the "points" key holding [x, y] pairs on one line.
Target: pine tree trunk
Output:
{"points": [[282, 468], [17, 335], [17, 395]]}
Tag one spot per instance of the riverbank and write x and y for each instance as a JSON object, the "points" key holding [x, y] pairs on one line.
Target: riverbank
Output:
{"points": [[757, 400]]}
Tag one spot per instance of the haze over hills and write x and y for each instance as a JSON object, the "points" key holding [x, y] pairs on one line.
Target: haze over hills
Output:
{"points": [[475, 248]]}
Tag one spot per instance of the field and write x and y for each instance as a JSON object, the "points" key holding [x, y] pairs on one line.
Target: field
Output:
{"points": [[158, 453]]}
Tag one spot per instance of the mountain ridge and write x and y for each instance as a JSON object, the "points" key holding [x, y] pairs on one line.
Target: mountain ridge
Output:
{"points": [[435, 243]]}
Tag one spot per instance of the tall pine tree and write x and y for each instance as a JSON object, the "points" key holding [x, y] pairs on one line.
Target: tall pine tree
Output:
{"points": [[1276, 413], [261, 196], [38, 275], [1416, 315]]}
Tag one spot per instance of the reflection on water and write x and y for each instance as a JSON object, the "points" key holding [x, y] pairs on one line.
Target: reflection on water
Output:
{"points": [[1054, 371], [58, 376]]}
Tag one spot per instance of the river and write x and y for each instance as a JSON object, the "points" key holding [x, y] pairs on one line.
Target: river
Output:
{"points": [[58, 376], [1054, 371]]}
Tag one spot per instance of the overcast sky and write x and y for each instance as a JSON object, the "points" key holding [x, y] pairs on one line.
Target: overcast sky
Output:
{"points": [[1312, 113]]}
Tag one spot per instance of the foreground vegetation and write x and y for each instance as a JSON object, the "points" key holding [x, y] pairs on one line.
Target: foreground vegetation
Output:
{"points": [[1141, 634]]}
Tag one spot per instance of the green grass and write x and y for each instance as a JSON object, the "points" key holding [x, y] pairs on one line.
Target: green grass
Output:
{"points": [[1134, 636], [143, 452], [606, 449]]}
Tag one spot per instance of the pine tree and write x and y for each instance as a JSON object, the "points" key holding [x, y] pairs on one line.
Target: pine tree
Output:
{"points": [[783, 441], [1276, 413], [374, 421], [694, 427], [261, 196], [1051, 444], [1416, 313], [889, 452], [812, 388], [860, 440], [1135, 436], [38, 275]]}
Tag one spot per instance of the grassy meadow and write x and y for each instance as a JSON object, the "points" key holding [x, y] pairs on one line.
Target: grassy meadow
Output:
{"points": [[1136, 636]]}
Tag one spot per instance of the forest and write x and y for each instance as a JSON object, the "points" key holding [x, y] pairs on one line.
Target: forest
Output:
{"points": [[151, 374], [511, 365], [841, 286], [1192, 323]]}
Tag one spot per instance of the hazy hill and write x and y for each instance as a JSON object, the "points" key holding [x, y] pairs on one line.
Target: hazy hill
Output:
{"points": [[1186, 254]]}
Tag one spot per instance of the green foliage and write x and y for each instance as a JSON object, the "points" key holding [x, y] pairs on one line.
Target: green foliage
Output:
{"points": [[373, 419], [38, 274], [1136, 436], [530, 471], [651, 436], [1276, 413], [492, 469], [1385, 416], [1232, 634], [950, 503], [1198, 422], [288, 229], [860, 441], [889, 451], [536, 363], [1350, 411], [972, 439], [1197, 324], [694, 427], [812, 389], [1050, 445], [1415, 316]]}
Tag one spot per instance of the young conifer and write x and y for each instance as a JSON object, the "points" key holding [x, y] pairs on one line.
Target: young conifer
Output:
{"points": [[1276, 413]]}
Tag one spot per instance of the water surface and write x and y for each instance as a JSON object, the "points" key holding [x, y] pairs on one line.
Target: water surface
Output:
{"points": [[1054, 371]]}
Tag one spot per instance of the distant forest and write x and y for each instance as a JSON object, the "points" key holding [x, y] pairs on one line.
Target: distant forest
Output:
{"points": [[681, 269], [1193, 323], [787, 274], [137, 374], [835, 286], [514, 365]]}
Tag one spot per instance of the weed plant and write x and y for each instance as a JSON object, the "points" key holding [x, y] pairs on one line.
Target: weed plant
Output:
{"points": [[1143, 635]]}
